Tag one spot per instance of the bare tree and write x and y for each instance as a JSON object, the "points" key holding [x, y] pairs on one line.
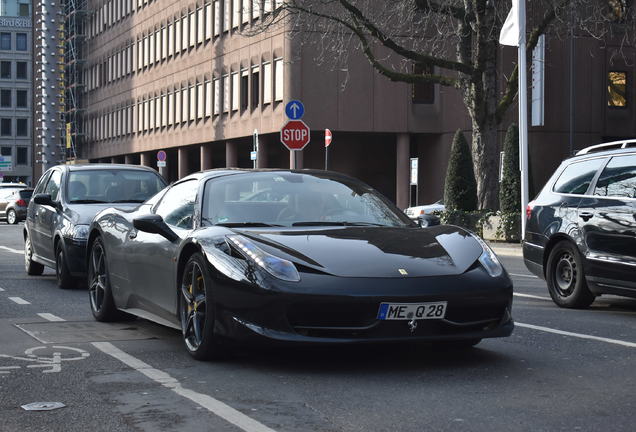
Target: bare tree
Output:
{"points": [[452, 43]]}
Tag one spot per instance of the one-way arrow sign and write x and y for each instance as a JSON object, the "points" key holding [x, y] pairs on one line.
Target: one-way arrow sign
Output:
{"points": [[294, 109]]}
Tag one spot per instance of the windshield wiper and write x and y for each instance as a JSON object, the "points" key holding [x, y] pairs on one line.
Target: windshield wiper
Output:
{"points": [[128, 201], [87, 201], [337, 223], [245, 224]]}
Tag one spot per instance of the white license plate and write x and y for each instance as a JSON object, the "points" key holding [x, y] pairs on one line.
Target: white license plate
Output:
{"points": [[411, 311]]}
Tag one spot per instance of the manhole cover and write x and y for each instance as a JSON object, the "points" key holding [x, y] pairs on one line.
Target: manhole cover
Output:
{"points": [[91, 331]]}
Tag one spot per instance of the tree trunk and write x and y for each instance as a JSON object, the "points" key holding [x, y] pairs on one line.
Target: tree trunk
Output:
{"points": [[486, 163]]}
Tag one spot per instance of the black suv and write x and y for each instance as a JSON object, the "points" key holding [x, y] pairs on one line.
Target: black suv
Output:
{"points": [[64, 202], [581, 229]]}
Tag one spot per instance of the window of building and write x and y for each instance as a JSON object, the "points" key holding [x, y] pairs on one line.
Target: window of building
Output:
{"points": [[5, 41], [256, 86], [217, 18], [236, 16], [22, 127], [21, 70], [278, 80], [267, 83], [164, 43], [235, 91], [177, 36], [217, 96], [208, 98], [158, 109], [226, 93], [256, 9], [146, 115], [170, 108], [617, 89], [5, 99], [5, 151], [193, 103], [152, 45], [140, 53], [152, 107], [170, 39], [21, 41], [185, 104], [184, 32], [200, 25], [146, 51], [200, 101], [245, 85], [227, 15], [177, 106], [245, 11], [21, 100], [5, 127], [423, 93], [618, 178], [24, 10], [209, 21], [22, 156], [193, 29], [576, 178], [164, 110], [267, 7], [5, 69]]}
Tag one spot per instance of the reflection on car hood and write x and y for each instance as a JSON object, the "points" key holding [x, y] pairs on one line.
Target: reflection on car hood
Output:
{"points": [[374, 251], [83, 214]]}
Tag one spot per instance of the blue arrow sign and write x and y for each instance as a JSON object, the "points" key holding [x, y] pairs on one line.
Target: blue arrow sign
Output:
{"points": [[294, 109]]}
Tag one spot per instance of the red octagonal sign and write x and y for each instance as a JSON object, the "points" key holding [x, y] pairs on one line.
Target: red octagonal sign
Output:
{"points": [[295, 135]]}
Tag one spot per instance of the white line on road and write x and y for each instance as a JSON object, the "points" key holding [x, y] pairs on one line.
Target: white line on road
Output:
{"points": [[523, 275], [1, 289], [532, 296], [50, 317], [15, 251], [19, 300], [213, 405], [577, 335]]}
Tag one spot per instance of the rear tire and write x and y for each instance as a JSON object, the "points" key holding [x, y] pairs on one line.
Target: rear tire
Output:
{"points": [[565, 277], [12, 218], [99, 291], [32, 268], [63, 275]]}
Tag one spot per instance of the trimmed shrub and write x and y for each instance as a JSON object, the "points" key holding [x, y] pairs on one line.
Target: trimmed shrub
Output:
{"points": [[460, 188], [510, 187]]}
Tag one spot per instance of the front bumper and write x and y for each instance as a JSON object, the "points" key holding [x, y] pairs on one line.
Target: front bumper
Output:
{"points": [[324, 309]]}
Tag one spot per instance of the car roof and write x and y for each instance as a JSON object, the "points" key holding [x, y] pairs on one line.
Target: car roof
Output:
{"points": [[105, 166], [598, 154], [218, 172]]}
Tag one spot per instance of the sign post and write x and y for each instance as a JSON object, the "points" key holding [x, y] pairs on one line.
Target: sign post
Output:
{"points": [[414, 175], [295, 134], [328, 137]]}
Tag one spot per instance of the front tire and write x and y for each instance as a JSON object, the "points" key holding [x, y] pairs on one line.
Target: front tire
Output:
{"points": [[12, 218], [196, 310], [63, 275], [32, 268], [565, 276], [99, 291]]}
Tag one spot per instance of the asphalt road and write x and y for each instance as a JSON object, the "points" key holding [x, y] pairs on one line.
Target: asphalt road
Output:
{"points": [[136, 376]]}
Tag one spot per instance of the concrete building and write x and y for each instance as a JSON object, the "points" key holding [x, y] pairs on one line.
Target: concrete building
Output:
{"points": [[182, 77], [15, 91]]}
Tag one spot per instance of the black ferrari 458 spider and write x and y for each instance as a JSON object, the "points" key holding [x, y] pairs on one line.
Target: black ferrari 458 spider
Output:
{"points": [[296, 257]]}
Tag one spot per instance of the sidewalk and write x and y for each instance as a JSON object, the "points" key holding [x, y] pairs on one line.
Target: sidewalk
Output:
{"points": [[506, 249]]}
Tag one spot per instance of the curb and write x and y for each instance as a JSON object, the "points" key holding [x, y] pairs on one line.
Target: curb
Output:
{"points": [[507, 249]]}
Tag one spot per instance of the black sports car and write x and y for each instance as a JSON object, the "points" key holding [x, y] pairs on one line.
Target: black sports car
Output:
{"points": [[319, 258]]}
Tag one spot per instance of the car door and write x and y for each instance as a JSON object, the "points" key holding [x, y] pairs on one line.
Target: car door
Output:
{"points": [[45, 219], [32, 211], [152, 259], [609, 230], [5, 196]]}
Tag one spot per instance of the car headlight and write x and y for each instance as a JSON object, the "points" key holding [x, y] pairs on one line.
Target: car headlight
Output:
{"points": [[488, 259], [278, 267], [78, 232]]}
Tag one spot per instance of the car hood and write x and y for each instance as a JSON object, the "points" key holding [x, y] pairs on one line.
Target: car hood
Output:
{"points": [[83, 214], [374, 251]]}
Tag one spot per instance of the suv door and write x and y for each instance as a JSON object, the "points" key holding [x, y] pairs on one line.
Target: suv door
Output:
{"points": [[610, 230], [45, 219]]}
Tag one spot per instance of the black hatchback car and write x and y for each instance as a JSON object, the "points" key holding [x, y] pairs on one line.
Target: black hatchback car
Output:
{"points": [[581, 229], [64, 202]]}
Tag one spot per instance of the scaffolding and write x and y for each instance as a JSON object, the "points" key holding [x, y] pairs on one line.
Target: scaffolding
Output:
{"points": [[75, 12]]}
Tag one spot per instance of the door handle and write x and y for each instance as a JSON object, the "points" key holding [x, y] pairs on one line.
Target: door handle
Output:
{"points": [[586, 216]]}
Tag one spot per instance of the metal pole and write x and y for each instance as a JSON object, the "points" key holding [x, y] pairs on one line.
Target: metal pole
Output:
{"points": [[572, 106], [326, 158], [523, 114]]}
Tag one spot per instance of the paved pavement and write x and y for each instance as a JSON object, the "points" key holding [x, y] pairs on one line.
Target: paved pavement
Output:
{"points": [[136, 376]]}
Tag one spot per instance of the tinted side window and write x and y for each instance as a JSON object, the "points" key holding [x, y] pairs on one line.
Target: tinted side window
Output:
{"points": [[618, 179], [177, 205], [53, 186], [40, 186], [576, 178]]}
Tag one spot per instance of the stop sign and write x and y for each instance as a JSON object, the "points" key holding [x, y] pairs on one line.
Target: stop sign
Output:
{"points": [[295, 135]]}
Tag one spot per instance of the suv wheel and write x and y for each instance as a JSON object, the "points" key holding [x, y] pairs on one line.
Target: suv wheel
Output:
{"points": [[12, 218], [565, 276]]}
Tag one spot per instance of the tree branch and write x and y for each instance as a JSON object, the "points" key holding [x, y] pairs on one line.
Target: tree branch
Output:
{"points": [[454, 11]]}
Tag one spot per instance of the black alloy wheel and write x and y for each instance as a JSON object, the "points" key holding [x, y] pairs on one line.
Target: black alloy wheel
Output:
{"points": [[196, 310], [99, 292], [12, 218], [32, 268], [63, 275], [565, 276]]}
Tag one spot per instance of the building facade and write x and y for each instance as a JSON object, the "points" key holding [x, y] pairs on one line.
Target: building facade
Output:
{"points": [[16, 140]]}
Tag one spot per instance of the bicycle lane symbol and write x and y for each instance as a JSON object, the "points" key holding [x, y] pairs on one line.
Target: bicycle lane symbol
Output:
{"points": [[48, 364]]}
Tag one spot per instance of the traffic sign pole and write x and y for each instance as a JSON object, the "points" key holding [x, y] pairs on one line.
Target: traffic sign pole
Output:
{"points": [[327, 143]]}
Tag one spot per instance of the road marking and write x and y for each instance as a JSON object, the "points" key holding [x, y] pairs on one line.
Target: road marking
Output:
{"points": [[51, 364], [532, 296], [213, 405], [523, 275], [19, 300], [50, 317], [1, 289], [577, 335], [15, 251]]}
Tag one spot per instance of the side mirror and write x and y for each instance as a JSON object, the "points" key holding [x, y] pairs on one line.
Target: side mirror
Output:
{"points": [[44, 199], [154, 224]]}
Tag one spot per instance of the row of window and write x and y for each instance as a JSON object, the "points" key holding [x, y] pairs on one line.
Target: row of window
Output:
{"points": [[21, 154], [183, 32], [21, 127], [6, 41], [234, 12], [21, 70], [239, 90], [21, 98]]}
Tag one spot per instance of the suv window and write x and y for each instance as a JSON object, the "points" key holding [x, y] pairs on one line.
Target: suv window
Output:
{"points": [[53, 186], [618, 179], [177, 205], [576, 178]]}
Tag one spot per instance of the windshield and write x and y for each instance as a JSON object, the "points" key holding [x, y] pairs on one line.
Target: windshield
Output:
{"points": [[294, 199], [112, 186]]}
